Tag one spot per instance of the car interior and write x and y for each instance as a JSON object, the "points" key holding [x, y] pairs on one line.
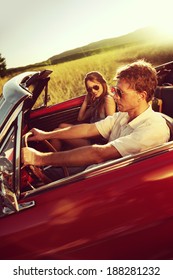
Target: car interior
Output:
{"points": [[48, 118], [161, 103]]}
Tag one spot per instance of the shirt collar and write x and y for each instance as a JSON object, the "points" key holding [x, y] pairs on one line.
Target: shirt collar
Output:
{"points": [[135, 122]]}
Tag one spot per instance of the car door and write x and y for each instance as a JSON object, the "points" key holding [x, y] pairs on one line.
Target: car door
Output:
{"points": [[117, 212]]}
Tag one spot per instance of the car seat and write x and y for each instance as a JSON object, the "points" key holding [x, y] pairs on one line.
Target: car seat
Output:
{"points": [[165, 93]]}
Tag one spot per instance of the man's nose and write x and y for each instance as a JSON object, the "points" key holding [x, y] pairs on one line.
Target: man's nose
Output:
{"points": [[116, 96]]}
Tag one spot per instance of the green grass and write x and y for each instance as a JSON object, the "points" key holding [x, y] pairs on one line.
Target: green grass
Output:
{"points": [[67, 79]]}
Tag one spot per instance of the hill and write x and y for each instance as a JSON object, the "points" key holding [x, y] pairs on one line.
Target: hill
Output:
{"points": [[134, 39], [139, 36]]}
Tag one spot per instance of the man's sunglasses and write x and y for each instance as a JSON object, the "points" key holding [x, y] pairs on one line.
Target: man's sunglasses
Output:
{"points": [[89, 89], [117, 91]]}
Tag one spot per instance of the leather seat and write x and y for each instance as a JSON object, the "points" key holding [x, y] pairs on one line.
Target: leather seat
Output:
{"points": [[165, 93], [169, 122]]}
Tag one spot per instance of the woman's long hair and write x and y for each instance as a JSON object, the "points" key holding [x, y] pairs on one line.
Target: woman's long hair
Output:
{"points": [[96, 76], [97, 104]]}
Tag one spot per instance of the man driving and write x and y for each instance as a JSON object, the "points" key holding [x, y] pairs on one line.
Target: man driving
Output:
{"points": [[134, 128]]}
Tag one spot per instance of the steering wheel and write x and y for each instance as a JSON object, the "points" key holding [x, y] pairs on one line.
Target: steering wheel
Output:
{"points": [[45, 146]]}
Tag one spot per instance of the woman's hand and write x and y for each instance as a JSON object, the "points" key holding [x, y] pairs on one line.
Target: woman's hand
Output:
{"points": [[90, 98], [84, 112]]}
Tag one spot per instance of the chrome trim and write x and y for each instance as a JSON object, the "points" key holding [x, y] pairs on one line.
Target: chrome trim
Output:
{"points": [[105, 167], [22, 206], [18, 154], [7, 195]]}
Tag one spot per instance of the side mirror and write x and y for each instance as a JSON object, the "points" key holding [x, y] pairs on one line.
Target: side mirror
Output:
{"points": [[7, 196]]}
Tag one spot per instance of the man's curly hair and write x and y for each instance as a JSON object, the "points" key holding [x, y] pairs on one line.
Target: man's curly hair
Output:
{"points": [[140, 75]]}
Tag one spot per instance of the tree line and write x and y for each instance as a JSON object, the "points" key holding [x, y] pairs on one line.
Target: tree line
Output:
{"points": [[3, 68]]}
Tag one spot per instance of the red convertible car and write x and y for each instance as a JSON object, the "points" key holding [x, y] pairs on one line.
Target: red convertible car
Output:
{"points": [[121, 209]]}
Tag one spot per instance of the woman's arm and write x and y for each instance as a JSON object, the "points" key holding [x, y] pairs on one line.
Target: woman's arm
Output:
{"points": [[84, 113]]}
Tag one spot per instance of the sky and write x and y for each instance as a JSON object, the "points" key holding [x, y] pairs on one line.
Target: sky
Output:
{"points": [[35, 30]]}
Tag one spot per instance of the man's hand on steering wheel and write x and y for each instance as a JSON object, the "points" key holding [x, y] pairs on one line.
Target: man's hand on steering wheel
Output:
{"points": [[30, 159], [31, 156], [36, 135]]}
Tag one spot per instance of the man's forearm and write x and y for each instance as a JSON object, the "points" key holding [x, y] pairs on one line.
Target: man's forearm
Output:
{"points": [[82, 156], [76, 157], [73, 132]]}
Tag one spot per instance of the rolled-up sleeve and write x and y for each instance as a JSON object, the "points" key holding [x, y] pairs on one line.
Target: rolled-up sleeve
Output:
{"points": [[105, 126]]}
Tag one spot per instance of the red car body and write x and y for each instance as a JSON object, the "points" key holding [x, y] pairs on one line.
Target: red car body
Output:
{"points": [[122, 209]]}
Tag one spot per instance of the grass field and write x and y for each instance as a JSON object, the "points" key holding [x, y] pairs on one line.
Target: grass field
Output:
{"points": [[67, 79]]}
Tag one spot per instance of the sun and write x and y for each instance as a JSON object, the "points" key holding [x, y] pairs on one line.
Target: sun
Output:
{"points": [[165, 29], [162, 20], [158, 14]]}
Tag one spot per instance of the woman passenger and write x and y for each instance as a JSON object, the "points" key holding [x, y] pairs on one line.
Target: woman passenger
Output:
{"points": [[98, 104]]}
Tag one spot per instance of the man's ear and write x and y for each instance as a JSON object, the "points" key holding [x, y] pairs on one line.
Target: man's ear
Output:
{"points": [[143, 95]]}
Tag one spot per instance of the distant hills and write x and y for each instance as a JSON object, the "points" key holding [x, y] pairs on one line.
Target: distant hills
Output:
{"points": [[140, 36]]}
